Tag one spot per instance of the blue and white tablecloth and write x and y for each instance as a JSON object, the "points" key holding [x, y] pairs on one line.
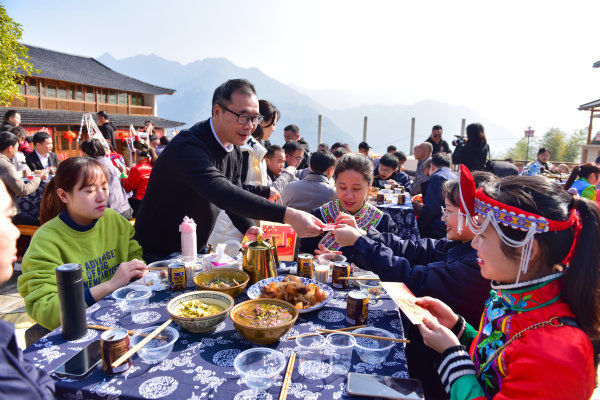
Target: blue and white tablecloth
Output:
{"points": [[404, 217], [201, 365], [31, 203]]}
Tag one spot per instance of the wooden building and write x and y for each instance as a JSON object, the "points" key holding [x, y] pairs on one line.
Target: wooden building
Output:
{"points": [[67, 86], [591, 149]]}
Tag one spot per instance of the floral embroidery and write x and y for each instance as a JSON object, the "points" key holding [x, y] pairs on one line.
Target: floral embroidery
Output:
{"points": [[367, 217]]}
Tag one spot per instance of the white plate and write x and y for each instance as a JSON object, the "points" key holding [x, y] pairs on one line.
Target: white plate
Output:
{"points": [[254, 291]]}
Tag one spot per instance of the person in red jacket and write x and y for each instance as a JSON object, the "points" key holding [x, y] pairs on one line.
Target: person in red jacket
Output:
{"points": [[539, 246], [138, 178]]}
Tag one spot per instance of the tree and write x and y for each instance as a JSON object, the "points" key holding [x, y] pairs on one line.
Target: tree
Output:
{"points": [[572, 147], [554, 141], [519, 150], [13, 59]]}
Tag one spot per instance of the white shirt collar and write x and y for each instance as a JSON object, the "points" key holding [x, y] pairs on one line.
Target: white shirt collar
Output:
{"points": [[41, 156], [228, 148]]}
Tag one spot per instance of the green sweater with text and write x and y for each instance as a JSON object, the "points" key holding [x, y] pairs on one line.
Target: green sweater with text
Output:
{"points": [[99, 250]]}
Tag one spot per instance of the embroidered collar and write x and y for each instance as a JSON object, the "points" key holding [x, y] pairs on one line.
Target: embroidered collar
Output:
{"points": [[533, 294], [368, 216]]}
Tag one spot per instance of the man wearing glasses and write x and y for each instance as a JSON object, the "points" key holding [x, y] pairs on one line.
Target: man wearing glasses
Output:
{"points": [[199, 173], [436, 141]]}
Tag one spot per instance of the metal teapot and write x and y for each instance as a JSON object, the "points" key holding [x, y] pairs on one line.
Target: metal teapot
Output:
{"points": [[260, 260]]}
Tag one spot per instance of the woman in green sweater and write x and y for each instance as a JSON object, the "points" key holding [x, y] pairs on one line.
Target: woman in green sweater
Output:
{"points": [[79, 229]]}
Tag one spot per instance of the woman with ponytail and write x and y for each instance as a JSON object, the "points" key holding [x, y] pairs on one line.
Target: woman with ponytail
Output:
{"points": [[538, 245], [589, 177], [78, 228], [138, 178]]}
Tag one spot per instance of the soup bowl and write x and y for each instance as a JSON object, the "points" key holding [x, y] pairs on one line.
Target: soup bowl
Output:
{"points": [[262, 334], [200, 324]]}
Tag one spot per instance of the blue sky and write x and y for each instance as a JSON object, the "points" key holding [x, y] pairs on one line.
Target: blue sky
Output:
{"points": [[515, 62]]}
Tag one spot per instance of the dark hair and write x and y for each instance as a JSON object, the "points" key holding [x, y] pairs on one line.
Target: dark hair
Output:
{"points": [[320, 161], [510, 160], [542, 150], [29, 139], [355, 162], [7, 139], [597, 161], [451, 189], [389, 160], [436, 128], [40, 137], [93, 148], [164, 140], [401, 156], [73, 171], [364, 145], [391, 149], [325, 146], [539, 195], [292, 146], [153, 137], [9, 114], [340, 151], [222, 94], [271, 150], [441, 160], [19, 131], [293, 128], [427, 164], [102, 114], [145, 151], [476, 134], [270, 113], [581, 171], [336, 145]]}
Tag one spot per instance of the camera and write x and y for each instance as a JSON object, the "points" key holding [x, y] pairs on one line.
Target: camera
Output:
{"points": [[459, 141]]}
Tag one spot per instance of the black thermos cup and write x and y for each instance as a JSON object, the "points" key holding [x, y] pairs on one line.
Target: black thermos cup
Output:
{"points": [[69, 282]]}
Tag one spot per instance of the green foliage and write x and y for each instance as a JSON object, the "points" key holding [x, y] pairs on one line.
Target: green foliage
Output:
{"points": [[562, 147], [13, 59]]}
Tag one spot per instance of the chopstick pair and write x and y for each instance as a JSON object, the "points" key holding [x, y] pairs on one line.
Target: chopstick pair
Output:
{"points": [[287, 379], [359, 278], [107, 328], [367, 336], [333, 330], [141, 344]]}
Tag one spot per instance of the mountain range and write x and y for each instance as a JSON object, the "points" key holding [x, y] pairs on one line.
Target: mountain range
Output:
{"points": [[387, 124]]}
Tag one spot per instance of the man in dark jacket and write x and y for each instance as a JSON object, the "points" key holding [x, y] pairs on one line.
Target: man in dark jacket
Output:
{"points": [[439, 145], [198, 173], [11, 119], [387, 172], [107, 129], [429, 221], [292, 132], [42, 157]]}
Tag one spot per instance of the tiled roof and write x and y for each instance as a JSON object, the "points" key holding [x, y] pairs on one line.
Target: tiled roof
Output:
{"points": [[590, 105], [85, 71], [35, 116]]}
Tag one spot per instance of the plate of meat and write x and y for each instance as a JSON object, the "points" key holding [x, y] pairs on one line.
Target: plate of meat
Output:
{"points": [[305, 294]]}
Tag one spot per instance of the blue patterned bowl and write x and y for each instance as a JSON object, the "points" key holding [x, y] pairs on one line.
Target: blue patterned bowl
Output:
{"points": [[254, 291], [201, 324]]}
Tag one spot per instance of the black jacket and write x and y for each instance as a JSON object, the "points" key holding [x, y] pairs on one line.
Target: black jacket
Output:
{"points": [[437, 147], [34, 163], [472, 155], [194, 176], [304, 162], [6, 126], [443, 269], [399, 176], [108, 131], [429, 221], [19, 378]]}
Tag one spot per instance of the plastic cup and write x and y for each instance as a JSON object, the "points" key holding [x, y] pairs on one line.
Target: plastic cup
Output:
{"points": [[137, 301], [309, 351], [339, 349], [322, 272], [259, 367], [373, 351]]}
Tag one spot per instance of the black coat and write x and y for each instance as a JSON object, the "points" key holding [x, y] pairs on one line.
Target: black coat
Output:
{"points": [[429, 221], [34, 163], [472, 155], [304, 162], [108, 131], [437, 147], [399, 176], [443, 269], [6, 127], [195, 177]]}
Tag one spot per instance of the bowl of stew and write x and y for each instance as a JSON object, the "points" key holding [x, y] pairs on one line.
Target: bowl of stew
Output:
{"points": [[200, 311], [263, 321], [225, 280]]}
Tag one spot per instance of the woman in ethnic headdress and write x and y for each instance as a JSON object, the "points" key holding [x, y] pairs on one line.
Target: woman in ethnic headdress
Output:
{"points": [[538, 245], [353, 177]]}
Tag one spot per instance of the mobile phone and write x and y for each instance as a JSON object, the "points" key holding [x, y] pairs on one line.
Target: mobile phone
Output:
{"points": [[386, 387], [81, 363]]}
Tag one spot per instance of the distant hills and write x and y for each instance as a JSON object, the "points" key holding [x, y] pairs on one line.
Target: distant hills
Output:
{"points": [[387, 124]]}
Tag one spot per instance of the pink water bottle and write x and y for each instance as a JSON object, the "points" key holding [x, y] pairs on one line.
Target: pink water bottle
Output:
{"points": [[189, 248]]}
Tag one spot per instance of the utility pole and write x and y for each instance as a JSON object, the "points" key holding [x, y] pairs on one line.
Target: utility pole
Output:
{"points": [[319, 133], [365, 130], [528, 134], [462, 127], [412, 136]]}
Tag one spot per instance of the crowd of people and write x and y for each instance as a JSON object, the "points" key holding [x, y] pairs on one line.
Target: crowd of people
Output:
{"points": [[506, 264]]}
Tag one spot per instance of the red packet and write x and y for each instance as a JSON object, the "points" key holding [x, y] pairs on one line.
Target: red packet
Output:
{"points": [[328, 227], [405, 300], [286, 239]]}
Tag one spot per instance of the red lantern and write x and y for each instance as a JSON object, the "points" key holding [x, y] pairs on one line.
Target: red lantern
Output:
{"points": [[69, 135]]}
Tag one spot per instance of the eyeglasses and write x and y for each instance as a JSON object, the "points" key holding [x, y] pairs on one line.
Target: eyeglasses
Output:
{"points": [[445, 212], [243, 118], [293, 156], [436, 136]]}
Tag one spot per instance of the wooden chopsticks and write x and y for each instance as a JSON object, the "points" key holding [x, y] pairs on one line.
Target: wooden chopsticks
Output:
{"points": [[141, 344], [367, 336], [287, 379], [359, 278], [157, 268], [107, 328], [333, 330]]}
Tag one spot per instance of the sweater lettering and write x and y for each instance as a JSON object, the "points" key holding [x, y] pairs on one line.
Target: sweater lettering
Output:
{"points": [[97, 269]]}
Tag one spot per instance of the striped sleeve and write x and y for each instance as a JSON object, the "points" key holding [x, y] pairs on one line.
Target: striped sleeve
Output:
{"points": [[455, 364]]}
